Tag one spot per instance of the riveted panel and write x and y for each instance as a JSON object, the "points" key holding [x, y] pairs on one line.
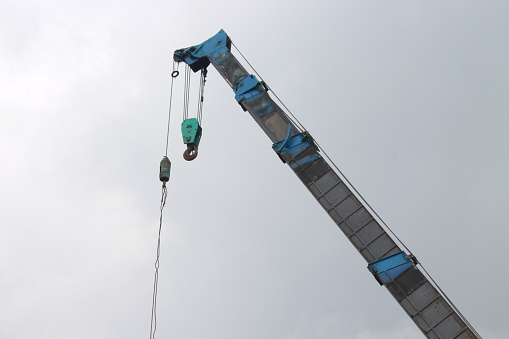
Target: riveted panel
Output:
{"points": [[381, 246], [467, 334], [370, 232], [423, 295], [316, 170], [337, 194], [432, 335], [325, 203], [449, 328], [326, 182], [358, 219], [406, 283], [348, 206], [338, 220], [436, 312], [408, 307], [421, 323], [357, 242], [367, 255]]}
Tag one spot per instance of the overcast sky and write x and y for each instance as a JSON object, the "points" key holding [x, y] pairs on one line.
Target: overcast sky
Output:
{"points": [[409, 98]]}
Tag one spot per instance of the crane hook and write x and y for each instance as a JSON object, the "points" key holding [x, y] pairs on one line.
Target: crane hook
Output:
{"points": [[191, 152]]}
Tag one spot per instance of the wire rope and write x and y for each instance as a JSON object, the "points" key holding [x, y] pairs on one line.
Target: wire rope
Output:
{"points": [[187, 85], [203, 75], [164, 194], [153, 318], [174, 74]]}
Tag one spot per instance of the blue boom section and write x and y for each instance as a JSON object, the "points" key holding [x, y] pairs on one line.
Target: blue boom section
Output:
{"points": [[391, 267]]}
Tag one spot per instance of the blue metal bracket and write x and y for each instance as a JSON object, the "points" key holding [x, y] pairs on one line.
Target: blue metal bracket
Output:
{"points": [[246, 87], [293, 147], [284, 142], [196, 56], [387, 269]]}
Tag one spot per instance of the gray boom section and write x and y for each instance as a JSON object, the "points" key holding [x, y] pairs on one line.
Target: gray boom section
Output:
{"points": [[413, 291], [415, 294]]}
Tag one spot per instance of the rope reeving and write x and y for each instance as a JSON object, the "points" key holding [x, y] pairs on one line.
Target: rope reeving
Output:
{"points": [[153, 319], [174, 74], [187, 86]]}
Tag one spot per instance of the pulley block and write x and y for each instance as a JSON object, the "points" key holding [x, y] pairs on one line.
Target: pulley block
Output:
{"points": [[191, 135]]}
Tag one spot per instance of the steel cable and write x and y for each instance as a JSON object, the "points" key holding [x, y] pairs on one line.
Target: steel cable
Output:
{"points": [[174, 74], [288, 113], [187, 85], [153, 318]]}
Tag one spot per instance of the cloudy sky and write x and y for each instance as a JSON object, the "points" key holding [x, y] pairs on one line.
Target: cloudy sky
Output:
{"points": [[409, 98]]}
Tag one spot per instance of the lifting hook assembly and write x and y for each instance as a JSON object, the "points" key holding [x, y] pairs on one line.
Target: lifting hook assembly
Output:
{"points": [[191, 135]]}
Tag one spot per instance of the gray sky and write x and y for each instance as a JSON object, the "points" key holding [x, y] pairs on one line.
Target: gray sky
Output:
{"points": [[409, 98]]}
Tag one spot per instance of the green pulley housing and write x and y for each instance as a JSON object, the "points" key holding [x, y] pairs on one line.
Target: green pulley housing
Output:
{"points": [[191, 135], [164, 169]]}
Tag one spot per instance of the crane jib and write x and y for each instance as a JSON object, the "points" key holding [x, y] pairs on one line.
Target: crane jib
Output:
{"points": [[421, 299]]}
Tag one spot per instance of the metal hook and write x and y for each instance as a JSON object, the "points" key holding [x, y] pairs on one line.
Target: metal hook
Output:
{"points": [[191, 152]]}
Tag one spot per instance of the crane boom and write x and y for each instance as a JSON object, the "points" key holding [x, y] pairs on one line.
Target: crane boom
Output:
{"points": [[390, 265]]}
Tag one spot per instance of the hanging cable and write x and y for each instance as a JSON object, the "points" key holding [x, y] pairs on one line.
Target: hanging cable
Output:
{"points": [[174, 74], [153, 318], [203, 75], [187, 86], [164, 176]]}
